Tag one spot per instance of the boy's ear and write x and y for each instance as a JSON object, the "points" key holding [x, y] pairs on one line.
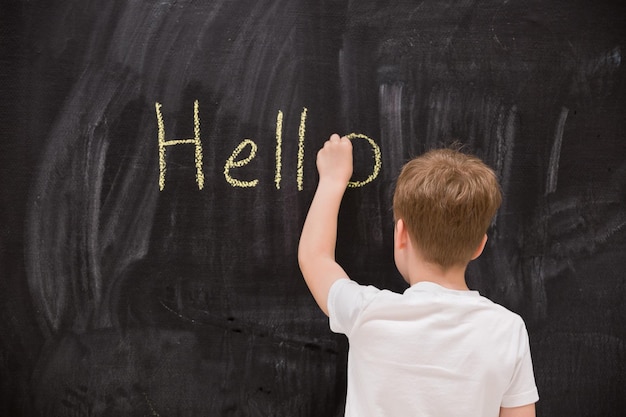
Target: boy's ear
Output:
{"points": [[480, 248], [401, 235]]}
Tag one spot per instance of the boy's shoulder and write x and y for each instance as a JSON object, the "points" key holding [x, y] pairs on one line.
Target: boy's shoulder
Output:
{"points": [[429, 296], [423, 306]]}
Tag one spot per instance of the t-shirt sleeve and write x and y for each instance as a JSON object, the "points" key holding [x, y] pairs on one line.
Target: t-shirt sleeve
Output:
{"points": [[522, 390], [346, 300]]}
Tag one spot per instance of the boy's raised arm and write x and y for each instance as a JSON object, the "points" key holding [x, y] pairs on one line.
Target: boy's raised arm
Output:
{"points": [[316, 251]]}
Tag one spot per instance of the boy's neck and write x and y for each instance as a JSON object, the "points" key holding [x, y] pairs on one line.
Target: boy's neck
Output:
{"points": [[452, 278]]}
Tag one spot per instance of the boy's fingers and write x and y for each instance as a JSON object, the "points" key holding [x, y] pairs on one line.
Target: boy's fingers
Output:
{"points": [[334, 141]]}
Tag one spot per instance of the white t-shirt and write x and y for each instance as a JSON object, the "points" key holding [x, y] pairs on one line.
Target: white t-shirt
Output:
{"points": [[430, 352]]}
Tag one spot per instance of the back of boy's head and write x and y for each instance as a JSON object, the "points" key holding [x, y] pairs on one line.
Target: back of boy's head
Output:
{"points": [[447, 200]]}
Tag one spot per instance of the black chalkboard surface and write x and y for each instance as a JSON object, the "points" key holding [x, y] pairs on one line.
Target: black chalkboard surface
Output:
{"points": [[157, 159]]}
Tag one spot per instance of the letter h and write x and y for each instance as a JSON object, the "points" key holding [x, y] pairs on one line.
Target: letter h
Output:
{"points": [[195, 141]]}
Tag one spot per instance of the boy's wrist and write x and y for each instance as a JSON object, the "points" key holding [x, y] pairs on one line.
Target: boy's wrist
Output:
{"points": [[332, 185]]}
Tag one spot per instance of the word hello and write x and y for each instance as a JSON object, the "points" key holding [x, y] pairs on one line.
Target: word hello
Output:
{"points": [[246, 151]]}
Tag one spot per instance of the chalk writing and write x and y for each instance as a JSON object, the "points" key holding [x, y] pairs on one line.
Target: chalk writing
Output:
{"points": [[377, 160], [232, 163], [279, 151], [301, 129], [195, 141], [233, 160]]}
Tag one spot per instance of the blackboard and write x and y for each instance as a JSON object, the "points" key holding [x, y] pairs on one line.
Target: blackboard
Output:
{"points": [[157, 159]]}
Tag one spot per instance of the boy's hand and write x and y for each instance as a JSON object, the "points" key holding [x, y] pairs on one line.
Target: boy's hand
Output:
{"points": [[334, 161]]}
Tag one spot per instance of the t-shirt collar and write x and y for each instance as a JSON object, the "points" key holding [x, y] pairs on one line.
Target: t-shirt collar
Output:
{"points": [[432, 287]]}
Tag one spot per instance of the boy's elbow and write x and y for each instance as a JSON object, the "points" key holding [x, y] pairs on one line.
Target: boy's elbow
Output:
{"points": [[302, 263], [305, 257], [309, 261], [302, 256]]}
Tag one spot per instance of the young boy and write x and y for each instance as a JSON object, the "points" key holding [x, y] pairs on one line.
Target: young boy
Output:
{"points": [[438, 349]]}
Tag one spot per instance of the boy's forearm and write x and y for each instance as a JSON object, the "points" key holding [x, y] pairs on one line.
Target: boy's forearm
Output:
{"points": [[316, 252], [320, 228]]}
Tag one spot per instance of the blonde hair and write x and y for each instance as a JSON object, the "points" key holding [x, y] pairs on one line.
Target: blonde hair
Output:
{"points": [[447, 200]]}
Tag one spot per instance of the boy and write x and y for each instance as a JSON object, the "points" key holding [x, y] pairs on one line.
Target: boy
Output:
{"points": [[438, 349]]}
